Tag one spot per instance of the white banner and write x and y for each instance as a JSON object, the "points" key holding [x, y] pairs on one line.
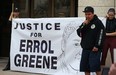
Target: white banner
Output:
{"points": [[46, 45]]}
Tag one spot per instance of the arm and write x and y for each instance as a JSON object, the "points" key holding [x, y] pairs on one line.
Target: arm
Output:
{"points": [[111, 34], [100, 36], [82, 28], [79, 30]]}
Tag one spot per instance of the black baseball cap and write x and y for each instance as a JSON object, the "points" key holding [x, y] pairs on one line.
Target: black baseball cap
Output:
{"points": [[89, 9], [16, 9]]}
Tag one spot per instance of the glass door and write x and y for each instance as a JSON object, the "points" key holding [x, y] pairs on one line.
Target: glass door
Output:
{"points": [[46, 8], [53, 8], [62, 8], [41, 8]]}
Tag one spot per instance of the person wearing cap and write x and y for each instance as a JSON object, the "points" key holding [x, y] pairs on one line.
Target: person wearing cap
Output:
{"points": [[14, 14], [92, 33], [110, 40]]}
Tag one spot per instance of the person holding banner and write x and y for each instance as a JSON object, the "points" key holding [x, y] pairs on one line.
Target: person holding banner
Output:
{"points": [[14, 14], [92, 33], [110, 41]]}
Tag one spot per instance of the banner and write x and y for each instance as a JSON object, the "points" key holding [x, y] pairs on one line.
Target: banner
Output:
{"points": [[46, 45]]}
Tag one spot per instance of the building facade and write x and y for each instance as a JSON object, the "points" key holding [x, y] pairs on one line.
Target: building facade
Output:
{"points": [[101, 6], [62, 8], [44, 9]]}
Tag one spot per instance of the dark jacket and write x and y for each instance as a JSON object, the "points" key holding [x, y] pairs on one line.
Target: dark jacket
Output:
{"points": [[92, 35]]}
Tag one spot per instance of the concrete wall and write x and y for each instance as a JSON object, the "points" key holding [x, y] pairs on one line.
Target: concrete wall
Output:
{"points": [[101, 6]]}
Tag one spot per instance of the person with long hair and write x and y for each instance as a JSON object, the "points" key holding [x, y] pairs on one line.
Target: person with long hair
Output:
{"points": [[110, 39]]}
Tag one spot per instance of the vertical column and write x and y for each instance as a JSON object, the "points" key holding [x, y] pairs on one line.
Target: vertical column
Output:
{"points": [[72, 10]]}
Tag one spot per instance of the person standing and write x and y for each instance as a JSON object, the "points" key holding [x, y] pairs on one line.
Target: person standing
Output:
{"points": [[92, 33], [14, 14], [110, 41]]}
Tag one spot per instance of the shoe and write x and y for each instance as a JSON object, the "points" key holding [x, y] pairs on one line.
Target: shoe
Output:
{"points": [[5, 69]]}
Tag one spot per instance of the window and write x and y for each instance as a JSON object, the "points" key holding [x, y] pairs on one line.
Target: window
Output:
{"points": [[62, 8]]}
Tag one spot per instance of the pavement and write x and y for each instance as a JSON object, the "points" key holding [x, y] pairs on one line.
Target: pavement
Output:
{"points": [[3, 62]]}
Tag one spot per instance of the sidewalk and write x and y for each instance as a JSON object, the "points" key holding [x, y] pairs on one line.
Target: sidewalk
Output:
{"points": [[3, 62]]}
